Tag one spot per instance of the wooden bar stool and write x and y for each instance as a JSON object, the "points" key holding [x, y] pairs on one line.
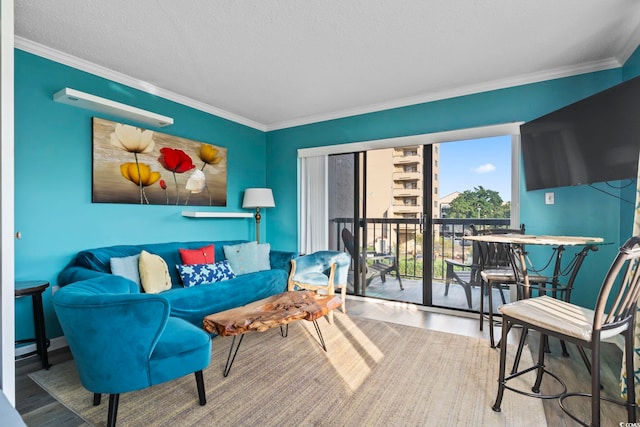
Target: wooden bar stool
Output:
{"points": [[35, 288]]}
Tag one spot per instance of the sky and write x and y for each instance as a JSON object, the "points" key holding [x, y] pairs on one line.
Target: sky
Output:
{"points": [[478, 162]]}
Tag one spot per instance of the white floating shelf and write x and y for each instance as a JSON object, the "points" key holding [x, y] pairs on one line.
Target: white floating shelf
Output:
{"points": [[192, 214], [102, 105]]}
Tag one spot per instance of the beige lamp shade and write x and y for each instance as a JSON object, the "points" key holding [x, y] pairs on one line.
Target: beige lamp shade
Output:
{"points": [[258, 198]]}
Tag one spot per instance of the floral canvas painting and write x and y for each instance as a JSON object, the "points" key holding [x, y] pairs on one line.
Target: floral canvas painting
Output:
{"points": [[135, 165]]}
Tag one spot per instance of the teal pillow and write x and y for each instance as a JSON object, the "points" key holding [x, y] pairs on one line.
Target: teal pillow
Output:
{"points": [[126, 267], [248, 257]]}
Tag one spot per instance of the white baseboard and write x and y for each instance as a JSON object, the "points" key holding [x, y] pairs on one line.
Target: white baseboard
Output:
{"points": [[55, 344]]}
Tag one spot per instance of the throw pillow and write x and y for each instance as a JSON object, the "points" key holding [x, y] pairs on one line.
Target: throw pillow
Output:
{"points": [[126, 267], [262, 257], [154, 273], [198, 274], [242, 257], [204, 255]]}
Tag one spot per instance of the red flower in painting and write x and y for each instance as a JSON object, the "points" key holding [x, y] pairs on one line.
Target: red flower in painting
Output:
{"points": [[175, 160]]}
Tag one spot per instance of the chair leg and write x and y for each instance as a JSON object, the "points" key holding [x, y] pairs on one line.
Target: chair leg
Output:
{"points": [[516, 361], [504, 300], [503, 364], [482, 288], [200, 385], [540, 370], [467, 293], [631, 391], [583, 355], [344, 298], [113, 409], [595, 384], [491, 339], [330, 317], [398, 277], [97, 397]]}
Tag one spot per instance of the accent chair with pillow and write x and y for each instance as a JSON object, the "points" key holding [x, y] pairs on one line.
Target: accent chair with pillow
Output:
{"points": [[321, 271]]}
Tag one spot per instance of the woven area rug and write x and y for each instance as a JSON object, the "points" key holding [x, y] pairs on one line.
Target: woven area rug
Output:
{"points": [[374, 374]]}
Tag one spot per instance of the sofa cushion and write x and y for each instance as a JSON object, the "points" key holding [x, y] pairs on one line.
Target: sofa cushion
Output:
{"points": [[204, 255], [248, 257], [126, 267], [193, 304], [154, 274], [198, 274]]}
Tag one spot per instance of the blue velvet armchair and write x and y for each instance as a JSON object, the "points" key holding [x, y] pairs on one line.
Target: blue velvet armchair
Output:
{"points": [[122, 340], [322, 270]]}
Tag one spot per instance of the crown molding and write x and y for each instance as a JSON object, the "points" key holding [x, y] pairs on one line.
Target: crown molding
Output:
{"points": [[587, 67], [100, 71], [90, 67]]}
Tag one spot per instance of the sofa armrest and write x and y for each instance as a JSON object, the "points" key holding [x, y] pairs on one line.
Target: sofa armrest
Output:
{"points": [[114, 283], [281, 260]]}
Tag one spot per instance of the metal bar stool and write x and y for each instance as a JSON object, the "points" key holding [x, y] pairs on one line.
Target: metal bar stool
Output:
{"points": [[35, 288]]}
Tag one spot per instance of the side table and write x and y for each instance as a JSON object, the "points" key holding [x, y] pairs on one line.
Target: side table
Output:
{"points": [[35, 288]]}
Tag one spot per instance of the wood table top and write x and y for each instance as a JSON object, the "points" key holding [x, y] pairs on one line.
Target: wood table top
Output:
{"points": [[530, 239], [277, 310]]}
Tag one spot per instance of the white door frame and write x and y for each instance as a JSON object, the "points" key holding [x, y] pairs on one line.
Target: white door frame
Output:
{"points": [[7, 275]]}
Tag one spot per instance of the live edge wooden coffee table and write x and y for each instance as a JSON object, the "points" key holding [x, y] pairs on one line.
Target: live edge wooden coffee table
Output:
{"points": [[277, 310]]}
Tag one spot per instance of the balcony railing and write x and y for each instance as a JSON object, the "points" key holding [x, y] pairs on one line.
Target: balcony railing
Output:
{"points": [[404, 237]]}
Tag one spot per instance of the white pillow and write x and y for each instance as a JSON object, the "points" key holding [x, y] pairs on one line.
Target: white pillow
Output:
{"points": [[154, 273]]}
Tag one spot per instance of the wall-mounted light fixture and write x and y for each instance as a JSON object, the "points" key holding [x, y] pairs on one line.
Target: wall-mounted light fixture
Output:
{"points": [[102, 105], [258, 198]]}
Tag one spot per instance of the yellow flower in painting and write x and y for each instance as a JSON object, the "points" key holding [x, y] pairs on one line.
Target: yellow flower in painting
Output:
{"points": [[209, 154], [132, 139], [139, 173]]}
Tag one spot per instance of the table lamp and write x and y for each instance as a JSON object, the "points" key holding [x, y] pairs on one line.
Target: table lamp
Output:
{"points": [[258, 198]]}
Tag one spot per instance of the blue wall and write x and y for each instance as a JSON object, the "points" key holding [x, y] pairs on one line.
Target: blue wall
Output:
{"points": [[578, 210], [53, 208], [53, 149]]}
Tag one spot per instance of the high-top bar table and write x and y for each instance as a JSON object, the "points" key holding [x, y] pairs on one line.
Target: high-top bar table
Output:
{"points": [[517, 244]]}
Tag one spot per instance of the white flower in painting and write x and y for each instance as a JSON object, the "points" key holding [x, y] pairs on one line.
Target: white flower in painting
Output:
{"points": [[132, 139], [196, 182]]}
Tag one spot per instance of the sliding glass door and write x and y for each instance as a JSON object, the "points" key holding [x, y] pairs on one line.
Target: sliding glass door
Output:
{"points": [[378, 197], [403, 211]]}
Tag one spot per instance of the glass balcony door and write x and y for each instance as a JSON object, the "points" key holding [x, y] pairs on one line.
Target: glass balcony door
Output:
{"points": [[378, 197], [398, 205]]}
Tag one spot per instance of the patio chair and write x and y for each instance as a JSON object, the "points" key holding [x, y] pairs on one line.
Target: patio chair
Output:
{"points": [[485, 257], [381, 266]]}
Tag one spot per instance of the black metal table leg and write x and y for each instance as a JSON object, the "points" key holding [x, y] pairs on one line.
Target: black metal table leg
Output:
{"points": [[315, 323], [231, 358]]}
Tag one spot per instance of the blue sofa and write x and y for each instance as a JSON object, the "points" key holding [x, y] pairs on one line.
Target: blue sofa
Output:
{"points": [[191, 304]]}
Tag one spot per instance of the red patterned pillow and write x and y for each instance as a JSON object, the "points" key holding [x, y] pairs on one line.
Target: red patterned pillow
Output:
{"points": [[205, 255]]}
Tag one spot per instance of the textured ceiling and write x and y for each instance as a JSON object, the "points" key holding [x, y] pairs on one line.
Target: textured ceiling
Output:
{"points": [[277, 63]]}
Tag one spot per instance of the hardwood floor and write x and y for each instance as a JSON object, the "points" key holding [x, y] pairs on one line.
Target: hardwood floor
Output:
{"points": [[38, 408]]}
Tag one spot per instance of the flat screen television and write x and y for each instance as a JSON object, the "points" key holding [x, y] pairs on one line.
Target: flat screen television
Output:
{"points": [[593, 140]]}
